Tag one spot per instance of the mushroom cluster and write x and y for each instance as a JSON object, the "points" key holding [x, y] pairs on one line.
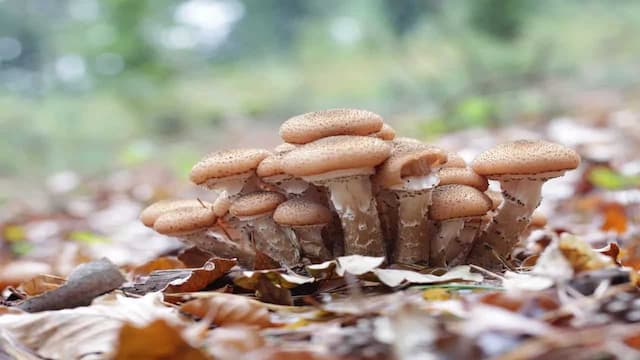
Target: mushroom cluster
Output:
{"points": [[343, 184]]}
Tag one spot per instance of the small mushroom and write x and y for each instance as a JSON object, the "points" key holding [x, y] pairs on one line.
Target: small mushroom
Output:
{"points": [[256, 209], [409, 175], [451, 206], [197, 226], [462, 176], [305, 219], [385, 133], [312, 126], [344, 164], [454, 161], [522, 167], [228, 172], [150, 214]]}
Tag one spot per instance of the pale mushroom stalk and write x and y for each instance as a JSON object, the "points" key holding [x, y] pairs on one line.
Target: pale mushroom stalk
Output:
{"points": [[352, 199], [448, 231], [458, 249], [229, 190]]}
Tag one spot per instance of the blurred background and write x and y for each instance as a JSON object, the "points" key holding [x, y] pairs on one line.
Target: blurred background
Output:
{"points": [[89, 86]]}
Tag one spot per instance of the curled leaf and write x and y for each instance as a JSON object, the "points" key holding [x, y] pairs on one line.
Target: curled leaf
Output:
{"points": [[227, 309]]}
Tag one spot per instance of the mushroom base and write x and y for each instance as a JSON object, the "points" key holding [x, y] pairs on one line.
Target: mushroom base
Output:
{"points": [[352, 199], [447, 231], [411, 244], [459, 248], [311, 243], [215, 241], [521, 198], [271, 240]]}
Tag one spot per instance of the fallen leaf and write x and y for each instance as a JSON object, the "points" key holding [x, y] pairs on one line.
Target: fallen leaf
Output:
{"points": [[233, 342], [436, 294], [615, 218], [228, 309], [581, 255], [268, 292], [82, 331], [393, 277], [263, 261], [193, 257], [41, 284], [161, 263], [19, 271], [288, 280], [155, 341], [86, 282]]}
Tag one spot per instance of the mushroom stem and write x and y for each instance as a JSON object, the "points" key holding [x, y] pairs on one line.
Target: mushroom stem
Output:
{"points": [[458, 249], [411, 244], [270, 239], [387, 203], [447, 231], [216, 241], [311, 242], [353, 201], [521, 198]]}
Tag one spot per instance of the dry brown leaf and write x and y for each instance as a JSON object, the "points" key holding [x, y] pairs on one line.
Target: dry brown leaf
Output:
{"points": [[271, 293], [615, 218], [233, 342], [157, 340], [193, 257], [288, 280], [75, 333], [581, 255], [161, 263], [200, 278], [19, 271], [228, 309], [41, 284]]}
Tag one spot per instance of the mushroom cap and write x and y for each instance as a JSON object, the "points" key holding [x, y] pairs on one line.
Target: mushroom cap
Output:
{"points": [[525, 157], [385, 133], [457, 201], [462, 176], [496, 198], [270, 166], [256, 203], [407, 160], [454, 161], [311, 126], [335, 153], [302, 212], [284, 147], [226, 163], [151, 213], [184, 221]]}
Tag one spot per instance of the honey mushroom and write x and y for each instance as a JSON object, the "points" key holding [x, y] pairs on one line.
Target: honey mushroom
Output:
{"points": [[256, 209], [408, 176], [303, 220], [522, 167], [451, 207]]}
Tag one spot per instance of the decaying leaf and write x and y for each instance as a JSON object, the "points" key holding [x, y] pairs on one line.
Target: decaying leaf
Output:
{"points": [[157, 340], [271, 293], [615, 218], [74, 333], [393, 277], [227, 309], [85, 283], [233, 342], [161, 263], [288, 280], [40, 284], [194, 257], [581, 255]]}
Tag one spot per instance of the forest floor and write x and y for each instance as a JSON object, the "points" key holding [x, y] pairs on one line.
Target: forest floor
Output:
{"points": [[571, 292]]}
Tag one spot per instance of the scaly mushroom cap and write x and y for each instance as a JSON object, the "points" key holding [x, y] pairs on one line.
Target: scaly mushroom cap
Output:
{"points": [[284, 148], [454, 161], [256, 203], [302, 212], [335, 153], [270, 166], [226, 163], [525, 157], [462, 176], [385, 133], [151, 213], [496, 198], [184, 221], [458, 201], [311, 126], [407, 160]]}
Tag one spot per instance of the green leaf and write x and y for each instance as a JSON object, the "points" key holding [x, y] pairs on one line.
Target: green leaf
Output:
{"points": [[88, 237]]}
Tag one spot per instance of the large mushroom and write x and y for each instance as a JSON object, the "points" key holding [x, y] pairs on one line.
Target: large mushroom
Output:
{"points": [[271, 172], [451, 207], [151, 213], [409, 176], [522, 167], [344, 164], [197, 226], [228, 172], [256, 209], [305, 220], [312, 126]]}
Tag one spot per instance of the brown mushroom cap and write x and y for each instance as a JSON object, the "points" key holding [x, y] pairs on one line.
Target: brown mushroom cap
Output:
{"points": [[311, 126], [227, 163], [184, 221], [406, 160], [496, 198], [462, 176], [302, 212], [284, 148], [256, 203], [385, 133], [525, 157], [454, 161], [335, 153], [151, 213], [270, 166], [458, 201]]}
